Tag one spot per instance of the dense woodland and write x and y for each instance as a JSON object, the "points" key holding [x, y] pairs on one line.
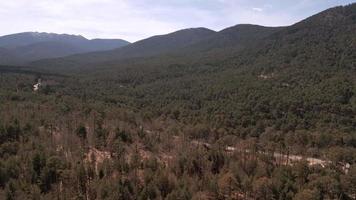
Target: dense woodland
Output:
{"points": [[274, 118]]}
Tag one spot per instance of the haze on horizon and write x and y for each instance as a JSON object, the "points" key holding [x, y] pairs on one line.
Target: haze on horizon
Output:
{"points": [[133, 20]]}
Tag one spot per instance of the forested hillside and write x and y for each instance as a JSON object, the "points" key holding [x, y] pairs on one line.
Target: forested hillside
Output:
{"points": [[6, 56], [249, 112], [22, 48], [152, 46], [190, 45]]}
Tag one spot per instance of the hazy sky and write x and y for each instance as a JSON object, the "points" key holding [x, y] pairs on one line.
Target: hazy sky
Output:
{"points": [[137, 19]]}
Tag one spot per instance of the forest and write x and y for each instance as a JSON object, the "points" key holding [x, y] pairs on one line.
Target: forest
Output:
{"points": [[272, 119]]}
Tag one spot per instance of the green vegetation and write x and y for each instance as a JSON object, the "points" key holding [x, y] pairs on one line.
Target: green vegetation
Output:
{"points": [[272, 119], [21, 48]]}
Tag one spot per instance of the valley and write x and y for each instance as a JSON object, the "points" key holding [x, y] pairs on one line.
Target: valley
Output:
{"points": [[248, 112]]}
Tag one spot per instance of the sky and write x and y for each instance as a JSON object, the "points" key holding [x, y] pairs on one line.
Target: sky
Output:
{"points": [[133, 20]]}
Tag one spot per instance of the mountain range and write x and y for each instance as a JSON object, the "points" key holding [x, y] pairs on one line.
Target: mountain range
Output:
{"points": [[25, 47], [249, 74], [248, 112], [65, 52], [187, 42]]}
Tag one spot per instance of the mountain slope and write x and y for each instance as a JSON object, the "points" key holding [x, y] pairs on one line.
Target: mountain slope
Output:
{"points": [[326, 40], [238, 37], [164, 43], [32, 46], [184, 44], [49, 49], [104, 44], [149, 47], [263, 46], [7, 56], [28, 38], [302, 77]]}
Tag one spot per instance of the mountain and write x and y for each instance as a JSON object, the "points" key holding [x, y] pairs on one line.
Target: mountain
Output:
{"points": [[164, 43], [325, 40], [252, 43], [245, 113], [297, 77], [238, 37], [28, 38], [104, 44], [7, 56], [148, 47], [186, 43], [50, 49], [32, 46]]}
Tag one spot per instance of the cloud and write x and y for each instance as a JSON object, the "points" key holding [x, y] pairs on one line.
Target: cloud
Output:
{"points": [[92, 18], [138, 19], [257, 9]]}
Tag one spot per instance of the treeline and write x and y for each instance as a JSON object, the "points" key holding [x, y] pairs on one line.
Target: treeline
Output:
{"points": [[129, 166]]}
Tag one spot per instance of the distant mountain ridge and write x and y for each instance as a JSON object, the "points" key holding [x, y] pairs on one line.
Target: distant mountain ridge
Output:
{"points": [[237, 36], [30, 46], [184, 42], [152, 46], [28, 38], [196, 44]]}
